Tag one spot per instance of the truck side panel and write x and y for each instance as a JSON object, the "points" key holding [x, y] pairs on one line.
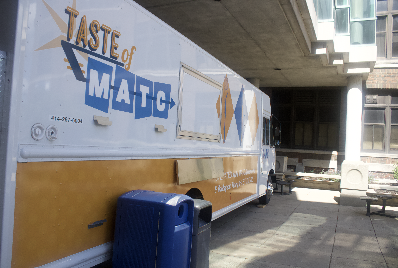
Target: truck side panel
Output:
{"points": [[105, 99], [67, 84], [57, 202]]}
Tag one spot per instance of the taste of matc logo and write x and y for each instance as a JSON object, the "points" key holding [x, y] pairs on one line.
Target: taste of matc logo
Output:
{"points": [[97, 43]]}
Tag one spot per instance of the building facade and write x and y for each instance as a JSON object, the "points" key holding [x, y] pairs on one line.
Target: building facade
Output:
{"points": [[380, 112], [323, 126]]}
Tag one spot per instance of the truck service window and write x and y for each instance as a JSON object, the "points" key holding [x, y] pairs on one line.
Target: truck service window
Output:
{"points": [[198, 112]]}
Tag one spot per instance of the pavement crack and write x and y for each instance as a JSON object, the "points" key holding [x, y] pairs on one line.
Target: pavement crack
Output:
{"points": [[334, 237], [384, 258]]}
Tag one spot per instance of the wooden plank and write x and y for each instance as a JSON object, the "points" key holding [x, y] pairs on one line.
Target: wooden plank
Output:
{"points": [[193, 170]]}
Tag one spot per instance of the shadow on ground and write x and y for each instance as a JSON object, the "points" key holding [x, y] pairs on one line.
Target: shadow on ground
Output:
{"points": [[305, 229]]}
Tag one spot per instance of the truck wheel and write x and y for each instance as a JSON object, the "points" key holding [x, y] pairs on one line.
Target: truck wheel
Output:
{"points": [[264, 200]]}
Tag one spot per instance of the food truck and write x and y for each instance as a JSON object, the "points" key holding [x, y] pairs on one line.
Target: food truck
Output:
{"points": [[100, 98]]}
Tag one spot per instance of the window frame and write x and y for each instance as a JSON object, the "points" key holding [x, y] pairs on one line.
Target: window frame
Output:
{"points": [[286, 111], [384, 101], [389, 30], [337, 17], [189, 134], [384, 124], [393, 107], [332, 8], [266, 131]]}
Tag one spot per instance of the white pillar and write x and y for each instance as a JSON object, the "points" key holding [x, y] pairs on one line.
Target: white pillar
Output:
{"points": [[354, 173], [354, 119]]}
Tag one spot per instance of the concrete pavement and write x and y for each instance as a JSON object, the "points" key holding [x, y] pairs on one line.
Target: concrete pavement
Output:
{"points": [[305, 229]]}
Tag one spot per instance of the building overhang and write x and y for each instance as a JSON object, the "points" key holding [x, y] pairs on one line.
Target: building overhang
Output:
{"points": [[280, 42]]}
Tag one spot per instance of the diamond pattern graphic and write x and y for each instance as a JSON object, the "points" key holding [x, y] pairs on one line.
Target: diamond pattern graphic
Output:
{"points": [[254, 121], [227, 109], [247, 119], [240, 110]]}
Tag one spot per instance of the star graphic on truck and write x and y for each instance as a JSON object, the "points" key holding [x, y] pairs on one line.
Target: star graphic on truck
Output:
{"points": [[132, 93]]}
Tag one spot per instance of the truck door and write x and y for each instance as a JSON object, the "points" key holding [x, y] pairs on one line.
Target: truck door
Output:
{"points": [[267, 158]]}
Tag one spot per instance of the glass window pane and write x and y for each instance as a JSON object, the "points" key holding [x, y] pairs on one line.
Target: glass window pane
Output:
{"points": [[394, 100], [341, 3], [266, 128], [362, 9], [363, 32], [367, 137], [303, 134], [333, 134], [307, 134], [285, 135], [382, 5], [323, 135], [327, 114], [395, 22], [394, 116], [395, 44], [304, 114], [381, 44], [304, 96], [324, 9], [394, 138], [298, 134], [342, 20], [283, 113], [281, 97], [395, 5], [378, 137], [374, 117], [381, 24]]}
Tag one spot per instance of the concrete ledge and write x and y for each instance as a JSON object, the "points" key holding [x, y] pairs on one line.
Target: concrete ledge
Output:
{"points": [[388, 168], [390, 203], [383, 187], [317, 184], [349, 197], [320, 163], [312, 175]]}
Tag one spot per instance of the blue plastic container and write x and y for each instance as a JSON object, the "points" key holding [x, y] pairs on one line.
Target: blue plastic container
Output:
{"points": [[153, 230]]}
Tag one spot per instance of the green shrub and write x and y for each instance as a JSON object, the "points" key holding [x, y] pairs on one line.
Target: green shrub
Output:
{"points": [[395, 171]]}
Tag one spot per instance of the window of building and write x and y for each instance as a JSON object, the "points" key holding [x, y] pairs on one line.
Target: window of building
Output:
{"points": [[362, 22], [309, 118], [387, 29], [394, 130], [324, 9], [380, 123], [342, 20], [373, 130], [303, 126], [340, 3]]}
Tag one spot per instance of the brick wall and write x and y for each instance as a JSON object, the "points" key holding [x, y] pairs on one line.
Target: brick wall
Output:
{"points": [[383, 78], [379, 160]]}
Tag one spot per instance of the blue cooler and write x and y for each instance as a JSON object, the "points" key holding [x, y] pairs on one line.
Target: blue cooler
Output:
{"points": [[153, 230]]}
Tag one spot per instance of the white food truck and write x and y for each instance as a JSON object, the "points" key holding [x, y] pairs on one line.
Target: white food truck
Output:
{"points": [[99, 98]]}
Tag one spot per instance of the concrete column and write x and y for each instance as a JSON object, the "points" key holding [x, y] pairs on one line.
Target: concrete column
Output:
{"points": [[354, 173], [354, 119], [254, 81]]}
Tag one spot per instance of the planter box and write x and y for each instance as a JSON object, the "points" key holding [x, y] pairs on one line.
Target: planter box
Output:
{"points": [[317, 184]]}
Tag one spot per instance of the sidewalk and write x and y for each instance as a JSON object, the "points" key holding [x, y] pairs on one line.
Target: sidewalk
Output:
{"points": [[304, 229]]}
